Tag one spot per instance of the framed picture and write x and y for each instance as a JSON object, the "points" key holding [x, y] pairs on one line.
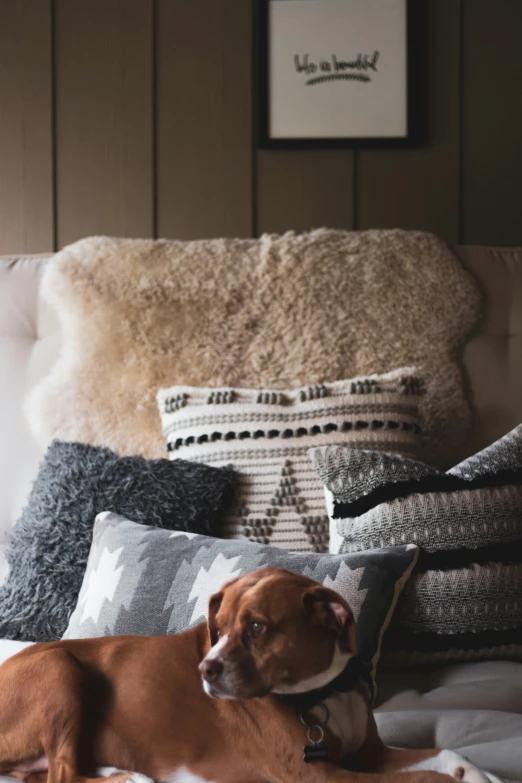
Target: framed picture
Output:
{"points": [[334, 73]]}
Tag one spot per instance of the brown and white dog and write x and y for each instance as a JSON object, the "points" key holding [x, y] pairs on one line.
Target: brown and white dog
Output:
{"points": [[217, 703]]}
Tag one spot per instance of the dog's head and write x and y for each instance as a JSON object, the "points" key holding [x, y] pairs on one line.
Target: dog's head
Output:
{"points": [[275, 632]]}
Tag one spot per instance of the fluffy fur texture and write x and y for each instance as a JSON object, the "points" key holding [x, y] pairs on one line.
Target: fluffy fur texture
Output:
{"points": [[275, 312], [50, 543]]}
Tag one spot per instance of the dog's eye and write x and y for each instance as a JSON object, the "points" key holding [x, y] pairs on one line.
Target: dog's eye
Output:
{"points": [[257, 629]]}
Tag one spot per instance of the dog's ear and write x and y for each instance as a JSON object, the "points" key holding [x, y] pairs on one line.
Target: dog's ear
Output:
{"points": [[213, 608], [326, 607]]}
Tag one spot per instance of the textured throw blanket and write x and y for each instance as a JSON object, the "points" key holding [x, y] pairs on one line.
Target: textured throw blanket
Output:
{"points": [[275, 312], [473, 708]]}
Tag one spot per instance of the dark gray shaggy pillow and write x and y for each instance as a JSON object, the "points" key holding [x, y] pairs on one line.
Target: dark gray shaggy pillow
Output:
{"points": [[50, 543]]}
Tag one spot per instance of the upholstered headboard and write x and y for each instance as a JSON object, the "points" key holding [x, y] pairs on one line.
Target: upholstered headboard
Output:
{"points": [[30, 343], [493, 356]]}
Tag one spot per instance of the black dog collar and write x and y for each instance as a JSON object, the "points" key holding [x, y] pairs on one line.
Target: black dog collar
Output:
{"points": [[354, 671]]}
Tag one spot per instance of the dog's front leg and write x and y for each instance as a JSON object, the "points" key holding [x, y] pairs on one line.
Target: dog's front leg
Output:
{"points": [[446, 762], [374, 756], [328, 773]]}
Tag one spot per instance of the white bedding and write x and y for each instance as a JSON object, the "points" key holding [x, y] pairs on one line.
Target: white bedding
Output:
{"points": [[474, 708], [9, 648]]}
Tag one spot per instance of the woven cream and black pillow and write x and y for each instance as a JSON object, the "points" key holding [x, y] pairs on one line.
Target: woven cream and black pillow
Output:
{"points": [[266, 435], [464, 601]]}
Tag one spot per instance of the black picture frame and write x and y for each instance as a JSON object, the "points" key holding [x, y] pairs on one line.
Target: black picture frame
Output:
{"points": [[416, 85]]}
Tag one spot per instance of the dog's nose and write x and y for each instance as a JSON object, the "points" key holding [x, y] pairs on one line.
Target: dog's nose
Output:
{"points": [[211, 669]]}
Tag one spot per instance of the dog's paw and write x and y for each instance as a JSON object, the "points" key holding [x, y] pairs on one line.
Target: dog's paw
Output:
{"points": [[122, 775], [459, 768], [137, 777], [447, 762]]}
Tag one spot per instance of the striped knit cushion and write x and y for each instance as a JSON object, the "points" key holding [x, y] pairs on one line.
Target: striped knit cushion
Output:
{"points": [[266, 436], [464, 601]]}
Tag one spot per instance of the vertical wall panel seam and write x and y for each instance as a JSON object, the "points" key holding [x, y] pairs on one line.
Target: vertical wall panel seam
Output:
{"points": [[254, 227], [460, 179], [223, 124], [54, 145], [355, 189], [154, 119]]}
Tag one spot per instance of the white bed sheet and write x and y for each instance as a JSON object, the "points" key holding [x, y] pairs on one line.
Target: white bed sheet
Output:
{"points": [[473, 708]]}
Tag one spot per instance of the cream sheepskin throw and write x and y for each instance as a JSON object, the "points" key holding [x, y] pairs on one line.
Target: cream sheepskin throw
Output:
{"points": [[275, 312]]}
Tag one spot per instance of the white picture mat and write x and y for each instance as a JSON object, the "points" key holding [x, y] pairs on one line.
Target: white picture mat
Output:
{"points": [[340, 108]]}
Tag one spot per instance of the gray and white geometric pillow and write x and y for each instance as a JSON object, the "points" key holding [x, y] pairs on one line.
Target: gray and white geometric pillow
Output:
{"points": [[265, 436], [148, 581], [464, 601]]}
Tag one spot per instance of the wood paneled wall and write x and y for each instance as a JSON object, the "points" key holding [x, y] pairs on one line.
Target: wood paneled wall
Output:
{"points": [[134, 118]]}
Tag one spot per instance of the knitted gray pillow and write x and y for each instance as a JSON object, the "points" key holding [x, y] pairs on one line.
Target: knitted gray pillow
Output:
{"points": [[464, 600], [49, 545], [141, 580]]}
